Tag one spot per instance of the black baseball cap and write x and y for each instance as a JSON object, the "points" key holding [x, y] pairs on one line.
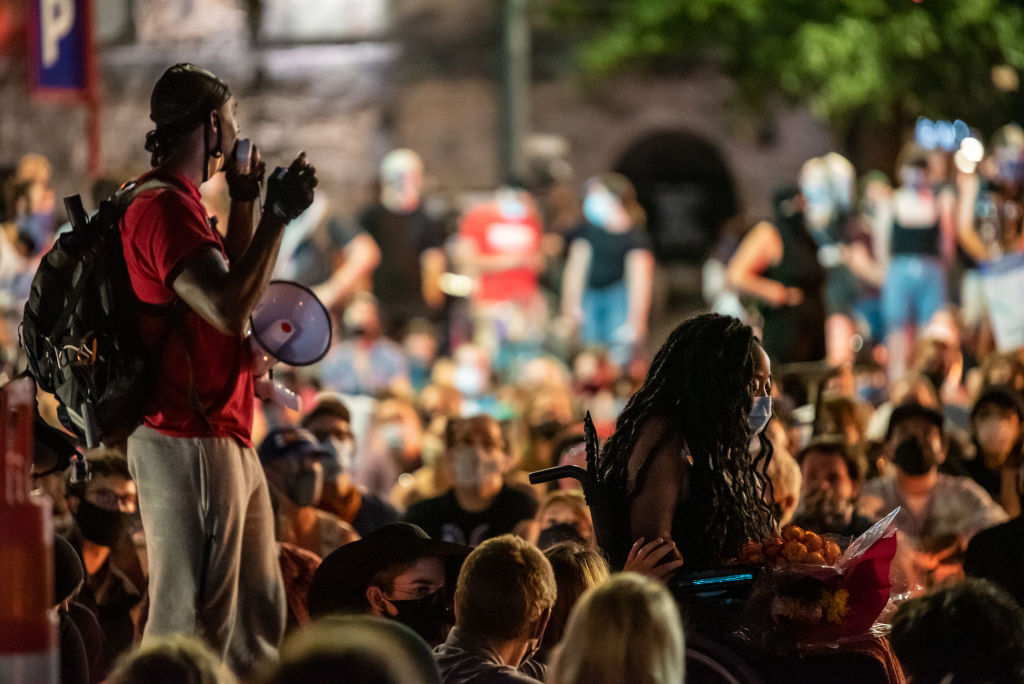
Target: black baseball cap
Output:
{"points": [[1001, 395], [184, 94], [913, 410], [339, 584], [288, 442]]}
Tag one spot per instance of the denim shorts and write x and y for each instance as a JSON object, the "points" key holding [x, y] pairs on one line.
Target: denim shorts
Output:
{"points": [[914, 289]]}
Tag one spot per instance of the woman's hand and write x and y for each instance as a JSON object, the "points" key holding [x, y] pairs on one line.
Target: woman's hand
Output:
{"points": [[646, 559]]}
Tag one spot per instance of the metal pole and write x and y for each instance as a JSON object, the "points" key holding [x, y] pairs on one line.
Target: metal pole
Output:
{"points": [[94, 131], [514, 111]]}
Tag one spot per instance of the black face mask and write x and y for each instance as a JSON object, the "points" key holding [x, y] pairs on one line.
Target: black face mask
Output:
{"points": [[102, 526], [428, 616], [305, 487], [561, 532], [913, 458]]}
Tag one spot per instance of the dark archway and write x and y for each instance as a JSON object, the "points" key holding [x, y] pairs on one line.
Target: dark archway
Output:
{"points": [[685, 187]]}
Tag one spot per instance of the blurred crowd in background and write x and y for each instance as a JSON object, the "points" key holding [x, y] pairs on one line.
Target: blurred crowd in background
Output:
{"points": [[468, 345]]}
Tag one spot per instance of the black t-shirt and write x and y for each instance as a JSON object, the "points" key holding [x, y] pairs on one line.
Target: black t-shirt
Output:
{"points": [[373, 513], [608, 252], [442, 518], [402, 238], [74, 662]]}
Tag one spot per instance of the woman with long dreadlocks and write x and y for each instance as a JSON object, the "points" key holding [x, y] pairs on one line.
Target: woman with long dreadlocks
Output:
{"points": [[678, 467]]}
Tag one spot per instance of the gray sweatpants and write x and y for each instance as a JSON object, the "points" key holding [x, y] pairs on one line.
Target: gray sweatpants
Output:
{"points": [[213, 561]]}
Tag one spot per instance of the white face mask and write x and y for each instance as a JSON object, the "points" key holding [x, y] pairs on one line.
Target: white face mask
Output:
{"points": [[598, 207], [394, 436], [760, 413], [472, 469], [344, 451]]}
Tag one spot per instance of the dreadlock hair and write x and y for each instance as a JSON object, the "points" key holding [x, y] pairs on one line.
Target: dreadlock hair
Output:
{"points": [[699, 381]]}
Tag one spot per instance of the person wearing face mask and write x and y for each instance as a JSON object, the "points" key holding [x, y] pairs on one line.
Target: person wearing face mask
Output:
{"points": [[330, 423], [394, 448], [105, 510], [479, 505], [679, 468], [293, 465], [939, 513], [406, 283], [396, 572], [777, 264], [996, 421], [563, 516], [606, 289], [921, 242]]}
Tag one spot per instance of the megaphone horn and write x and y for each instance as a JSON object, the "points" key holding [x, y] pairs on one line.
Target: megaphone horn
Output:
{"points": [[291, 325]]}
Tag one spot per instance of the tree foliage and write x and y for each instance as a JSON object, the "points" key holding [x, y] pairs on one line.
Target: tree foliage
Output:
{"points": [[850, 61]]}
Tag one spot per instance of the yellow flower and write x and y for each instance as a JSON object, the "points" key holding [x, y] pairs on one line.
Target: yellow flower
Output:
{"points": [[835, 605]]}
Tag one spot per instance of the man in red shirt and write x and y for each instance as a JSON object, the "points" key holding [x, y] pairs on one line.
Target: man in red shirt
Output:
{"points": [[499, 245], [202, 494]]}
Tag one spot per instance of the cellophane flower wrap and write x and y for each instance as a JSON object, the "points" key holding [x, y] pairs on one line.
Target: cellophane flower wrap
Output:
{"points": [[819, 604]]}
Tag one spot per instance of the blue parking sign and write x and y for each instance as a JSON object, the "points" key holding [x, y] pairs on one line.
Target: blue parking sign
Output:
{"points": [[60, 43]]}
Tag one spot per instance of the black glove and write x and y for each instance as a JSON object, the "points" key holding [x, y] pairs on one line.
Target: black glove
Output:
{"points": [[244, 187], [290, 191]]}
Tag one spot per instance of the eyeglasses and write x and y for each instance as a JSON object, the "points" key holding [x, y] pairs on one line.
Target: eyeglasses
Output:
{"points": [[112, 501]]}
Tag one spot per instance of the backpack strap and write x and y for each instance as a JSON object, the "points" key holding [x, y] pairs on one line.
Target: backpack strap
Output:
{"points": [[118, 203]]}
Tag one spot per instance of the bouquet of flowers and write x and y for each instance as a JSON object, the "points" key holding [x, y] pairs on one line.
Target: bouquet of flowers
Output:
{"points": [[810, 594]]}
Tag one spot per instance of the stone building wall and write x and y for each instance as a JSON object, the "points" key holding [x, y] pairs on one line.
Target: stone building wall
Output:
{"points": [[428, 83]]}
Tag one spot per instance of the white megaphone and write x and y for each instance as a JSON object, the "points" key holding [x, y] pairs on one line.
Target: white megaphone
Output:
{"points": [[289, 325]]}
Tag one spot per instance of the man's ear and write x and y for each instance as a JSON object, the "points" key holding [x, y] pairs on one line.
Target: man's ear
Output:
{"points": [[541, 625], [378, 602]]}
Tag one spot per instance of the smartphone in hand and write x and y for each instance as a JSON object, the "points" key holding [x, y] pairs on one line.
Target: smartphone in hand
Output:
{"points": [[243, 156]]}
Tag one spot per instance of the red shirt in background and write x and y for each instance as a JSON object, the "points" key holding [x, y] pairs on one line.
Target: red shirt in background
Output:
{"points": [[161, 230], [494, 234]]}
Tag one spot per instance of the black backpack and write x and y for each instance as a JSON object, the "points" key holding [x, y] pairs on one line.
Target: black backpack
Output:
{"points": [[80, 330]]}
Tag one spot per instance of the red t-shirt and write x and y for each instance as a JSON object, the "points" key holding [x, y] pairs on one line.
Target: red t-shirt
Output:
{"points": [[494, 234], [161, 230]]}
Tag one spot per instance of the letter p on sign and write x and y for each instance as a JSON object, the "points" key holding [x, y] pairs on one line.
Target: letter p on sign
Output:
{"points": [[57, 17]]}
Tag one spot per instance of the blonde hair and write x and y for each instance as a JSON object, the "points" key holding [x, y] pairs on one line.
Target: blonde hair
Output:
{"points": [[573, 499], [505, 586], [577, 568], [625, 630]]}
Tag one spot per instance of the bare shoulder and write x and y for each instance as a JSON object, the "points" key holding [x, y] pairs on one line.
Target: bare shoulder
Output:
{"points": [[659, 441]]}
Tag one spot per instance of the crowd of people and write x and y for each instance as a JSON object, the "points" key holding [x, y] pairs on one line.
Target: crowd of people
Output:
{"points": [[388, 531]]}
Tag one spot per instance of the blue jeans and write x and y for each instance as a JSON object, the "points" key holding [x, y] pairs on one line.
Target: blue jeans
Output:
{"points": [[914, 289], [605, 310]]}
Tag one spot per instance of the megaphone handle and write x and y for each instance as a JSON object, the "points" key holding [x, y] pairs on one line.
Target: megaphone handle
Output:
{"points": [[268, 390]]}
